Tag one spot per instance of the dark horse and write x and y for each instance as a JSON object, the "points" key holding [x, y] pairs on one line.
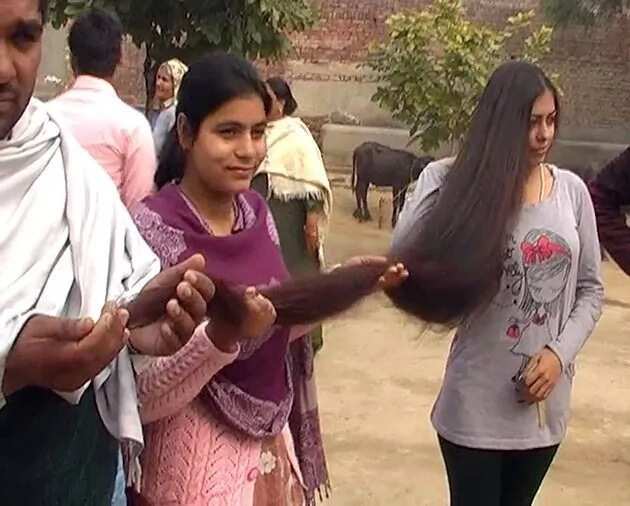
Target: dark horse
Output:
{"points": [[376, 164]]}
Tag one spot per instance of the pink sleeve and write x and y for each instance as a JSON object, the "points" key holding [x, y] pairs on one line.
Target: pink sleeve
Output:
{"points": [[167, 384], [140, 165]]}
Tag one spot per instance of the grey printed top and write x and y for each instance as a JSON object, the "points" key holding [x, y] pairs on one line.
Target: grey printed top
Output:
{"points": [[551, 295]]}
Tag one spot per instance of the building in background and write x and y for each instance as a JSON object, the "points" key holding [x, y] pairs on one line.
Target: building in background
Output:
{"points": [[326, 78]]}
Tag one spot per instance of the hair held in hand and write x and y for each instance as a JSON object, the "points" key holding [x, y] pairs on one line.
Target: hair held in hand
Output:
{"points": [[455, 257]]}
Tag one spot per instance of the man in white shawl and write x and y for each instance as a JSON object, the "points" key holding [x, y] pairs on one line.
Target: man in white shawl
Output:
{"points": [[70, 257]]}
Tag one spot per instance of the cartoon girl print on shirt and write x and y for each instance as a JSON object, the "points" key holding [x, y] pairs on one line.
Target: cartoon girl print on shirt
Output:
{"points": [[535, 286], [512, 282]]}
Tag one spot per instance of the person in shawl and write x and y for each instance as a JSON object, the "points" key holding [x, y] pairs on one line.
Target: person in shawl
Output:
{"points": [[77, 284], [216, 414], [293, 179], [167, 82]]}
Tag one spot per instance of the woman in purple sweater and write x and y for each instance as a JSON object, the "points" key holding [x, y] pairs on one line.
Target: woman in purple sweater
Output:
{"points": [[216, 413], [499, 209]]}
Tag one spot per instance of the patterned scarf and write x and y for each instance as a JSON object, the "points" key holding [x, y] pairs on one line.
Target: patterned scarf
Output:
{"points": [[255, 393]]}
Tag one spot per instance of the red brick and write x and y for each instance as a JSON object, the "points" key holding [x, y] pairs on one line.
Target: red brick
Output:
{"points": [[595, 66]]}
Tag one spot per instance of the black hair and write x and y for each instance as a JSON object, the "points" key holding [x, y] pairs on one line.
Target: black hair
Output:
{"points": [[457, 257], [282, 90], [209, 83], [95, 42]]}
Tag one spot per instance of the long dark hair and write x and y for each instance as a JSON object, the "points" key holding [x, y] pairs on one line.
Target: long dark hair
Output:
{"points": [[210, 83], [282, 90], [455, 259]]}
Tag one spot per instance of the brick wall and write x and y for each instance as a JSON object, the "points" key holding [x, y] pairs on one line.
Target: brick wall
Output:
{"points": [[129, 78], [347, 27], [594, 65]]}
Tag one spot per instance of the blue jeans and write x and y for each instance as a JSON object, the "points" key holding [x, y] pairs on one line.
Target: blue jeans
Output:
{"points": [[119, 498]]}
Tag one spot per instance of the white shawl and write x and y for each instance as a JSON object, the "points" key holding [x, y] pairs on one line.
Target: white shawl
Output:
{"points": [[67, 245], [295, 168]]}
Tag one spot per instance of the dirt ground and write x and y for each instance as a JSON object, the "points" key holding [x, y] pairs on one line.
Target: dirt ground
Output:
{"points": [[379, 374]]}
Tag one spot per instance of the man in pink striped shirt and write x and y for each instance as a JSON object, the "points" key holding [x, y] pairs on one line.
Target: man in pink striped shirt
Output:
{"points": [[116, 135]]}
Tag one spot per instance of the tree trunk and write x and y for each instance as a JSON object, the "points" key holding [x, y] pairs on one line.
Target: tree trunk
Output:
{"points": [[149, 78]]}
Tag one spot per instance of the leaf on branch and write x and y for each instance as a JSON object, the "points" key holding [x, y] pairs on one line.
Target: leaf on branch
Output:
{"points": [[435, 63]]}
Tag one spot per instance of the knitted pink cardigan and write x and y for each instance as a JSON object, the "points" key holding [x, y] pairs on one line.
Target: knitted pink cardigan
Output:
{"points": [[191, 458]]}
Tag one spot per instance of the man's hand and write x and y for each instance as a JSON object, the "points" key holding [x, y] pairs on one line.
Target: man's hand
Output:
{"points": [[63, 354], [166, 313]]}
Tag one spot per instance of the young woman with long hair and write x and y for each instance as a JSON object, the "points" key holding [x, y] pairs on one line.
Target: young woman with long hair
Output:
{"points": [[498, 244], [294, 181], [216, 413], [504, 245]]}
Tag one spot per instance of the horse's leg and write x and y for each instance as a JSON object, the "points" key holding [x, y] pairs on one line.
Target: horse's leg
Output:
{"points": [[358, 214], [366, 212], [362, 189], [381, 202]]}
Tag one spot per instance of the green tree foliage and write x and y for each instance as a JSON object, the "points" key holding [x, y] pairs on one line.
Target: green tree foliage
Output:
{"points": [[434, 64], [187, 28], [583, 12]]}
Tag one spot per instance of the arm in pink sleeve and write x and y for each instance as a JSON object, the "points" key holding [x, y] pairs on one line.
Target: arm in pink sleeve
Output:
{"points": [[166, 385], [140, 165]]}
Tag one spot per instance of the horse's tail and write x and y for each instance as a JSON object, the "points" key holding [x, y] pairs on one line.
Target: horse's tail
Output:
{"points": [[354, 171]]}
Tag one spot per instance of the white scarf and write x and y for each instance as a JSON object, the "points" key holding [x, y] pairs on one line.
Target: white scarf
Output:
{"points": [[67, 246], [295, 167]]}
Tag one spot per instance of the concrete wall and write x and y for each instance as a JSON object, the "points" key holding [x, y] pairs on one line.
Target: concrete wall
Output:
{"points": [[339, 141], [55, 64], [320, 91]]}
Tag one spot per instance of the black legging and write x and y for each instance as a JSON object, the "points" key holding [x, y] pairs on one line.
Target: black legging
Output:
{"points": [[494, 477]]}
